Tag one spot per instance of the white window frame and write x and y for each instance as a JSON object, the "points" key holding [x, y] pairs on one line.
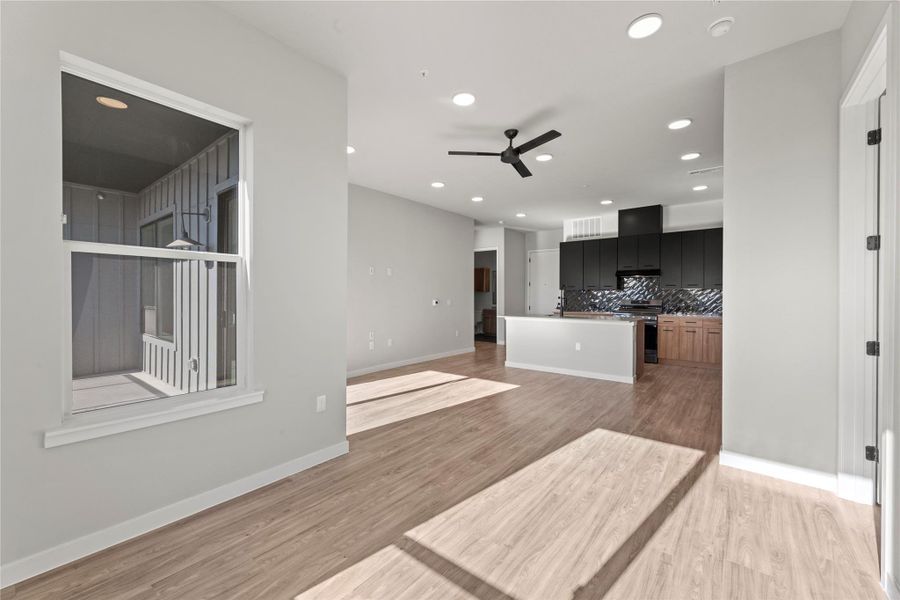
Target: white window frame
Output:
{"points": [[117, 419]]}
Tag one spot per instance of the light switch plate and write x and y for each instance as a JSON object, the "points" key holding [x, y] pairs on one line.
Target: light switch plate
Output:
{"points": [[371, 270], [577, 346], [320, 403]]}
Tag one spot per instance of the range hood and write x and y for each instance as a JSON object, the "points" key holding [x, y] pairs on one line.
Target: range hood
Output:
{"points": [[635, 225]]}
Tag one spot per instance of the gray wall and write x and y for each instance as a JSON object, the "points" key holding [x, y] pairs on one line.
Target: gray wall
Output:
{"points": [[103, 285], [299, 196], [515, 261], [190, 188], [429, 252], [780, 254]]}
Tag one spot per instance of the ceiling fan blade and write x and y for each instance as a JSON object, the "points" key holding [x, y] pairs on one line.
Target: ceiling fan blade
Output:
{"points": [[541, 139], [456, 153], [522, 169]]}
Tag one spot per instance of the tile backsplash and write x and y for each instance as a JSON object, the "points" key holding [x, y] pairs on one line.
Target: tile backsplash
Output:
{"points": [[694, 301]]}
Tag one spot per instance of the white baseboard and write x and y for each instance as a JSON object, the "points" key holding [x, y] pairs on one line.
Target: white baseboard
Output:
{"points": [[574, 372], [809, 477], [67, 552], [855, 488], [408, 361]]}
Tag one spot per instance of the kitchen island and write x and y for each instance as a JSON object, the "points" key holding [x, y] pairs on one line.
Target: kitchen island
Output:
{"points": [[598, 347]]}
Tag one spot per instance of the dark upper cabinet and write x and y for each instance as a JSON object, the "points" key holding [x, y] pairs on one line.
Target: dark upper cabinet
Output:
{"points": [[712, 254], [670, 261], [571, 265], [692, 259], [591, 261], [609, 253], [648, 251], [640, 221], [628, 253]]}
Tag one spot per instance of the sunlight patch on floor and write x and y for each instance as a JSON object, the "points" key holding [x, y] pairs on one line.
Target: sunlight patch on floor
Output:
{"points": [[377, 413], [544, 532], [361, 392]]}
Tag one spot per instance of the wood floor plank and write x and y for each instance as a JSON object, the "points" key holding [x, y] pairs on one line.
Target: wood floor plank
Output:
{"points": [[470, 480]]}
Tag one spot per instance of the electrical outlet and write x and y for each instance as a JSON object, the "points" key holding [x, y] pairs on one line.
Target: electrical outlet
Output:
{"points": [[389, 271], [371, 270], [577, 346], [449, 301], [371, 335], [435, 302], [371, 345], [457, 333], [390, 342], [320, 403]]}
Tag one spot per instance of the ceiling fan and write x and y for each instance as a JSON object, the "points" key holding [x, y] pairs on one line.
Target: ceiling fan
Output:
{"points": [[511, 155]]}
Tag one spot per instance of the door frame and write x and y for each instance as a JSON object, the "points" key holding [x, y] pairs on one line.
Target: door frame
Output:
{"points": [[528, 284], [882, 54]]}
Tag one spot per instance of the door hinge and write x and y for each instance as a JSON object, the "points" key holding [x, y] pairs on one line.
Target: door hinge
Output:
{"points": [[873, 348], [872, 453], [873, 242], [873, 137]]}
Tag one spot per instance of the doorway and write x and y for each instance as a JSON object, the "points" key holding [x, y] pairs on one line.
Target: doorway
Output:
{"points": [[485, 291], [543, 281]]}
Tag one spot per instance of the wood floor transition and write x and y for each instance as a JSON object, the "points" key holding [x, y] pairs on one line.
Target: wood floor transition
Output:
{"points": [[469, 480]]}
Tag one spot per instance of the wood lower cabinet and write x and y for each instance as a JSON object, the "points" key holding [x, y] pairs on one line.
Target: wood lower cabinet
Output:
{"points": [[712, 345], [690, 341], [489, 321]]}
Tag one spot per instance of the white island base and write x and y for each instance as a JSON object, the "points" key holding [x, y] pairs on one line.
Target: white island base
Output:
{"points": [[598, 348]]}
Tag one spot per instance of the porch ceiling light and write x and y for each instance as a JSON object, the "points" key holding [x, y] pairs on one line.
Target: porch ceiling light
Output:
{"points": [[184, 240]]}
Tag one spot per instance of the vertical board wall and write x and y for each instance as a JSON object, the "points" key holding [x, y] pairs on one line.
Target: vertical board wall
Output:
{"points": [[103, 285], [190, 187]]}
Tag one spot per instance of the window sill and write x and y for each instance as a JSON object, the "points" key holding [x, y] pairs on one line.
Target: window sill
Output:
{"points": [[102, 423]]}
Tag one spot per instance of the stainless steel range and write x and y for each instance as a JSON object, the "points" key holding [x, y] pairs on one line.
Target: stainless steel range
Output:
{"points": [[648, 310]]}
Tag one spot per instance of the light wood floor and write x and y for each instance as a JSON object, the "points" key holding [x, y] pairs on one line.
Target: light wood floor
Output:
{"points": [[470, 480]]}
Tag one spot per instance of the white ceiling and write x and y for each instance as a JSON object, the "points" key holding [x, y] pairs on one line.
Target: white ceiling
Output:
{"points": [[535, 66]]}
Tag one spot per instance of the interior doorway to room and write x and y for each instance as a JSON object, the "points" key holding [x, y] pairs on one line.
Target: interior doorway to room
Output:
{"points": [[543, 281], [485, 290]]}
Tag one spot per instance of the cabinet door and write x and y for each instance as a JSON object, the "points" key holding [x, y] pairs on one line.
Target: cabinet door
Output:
{"points": [[692, 243], [648, 251], [591, 253], [670, 261], [571, 266], [712, 253], [609, 257], [667, 341], [712, 345], [690, 346], [628, 253]]}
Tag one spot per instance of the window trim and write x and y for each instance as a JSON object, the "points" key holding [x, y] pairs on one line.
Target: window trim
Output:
{"points": [[191, 404], [162, 341]]}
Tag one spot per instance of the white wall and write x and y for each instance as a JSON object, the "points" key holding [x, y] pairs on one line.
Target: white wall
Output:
{"points": [[515, 262], [299, 197], [548, 239], [780, 254], [429, 252]]}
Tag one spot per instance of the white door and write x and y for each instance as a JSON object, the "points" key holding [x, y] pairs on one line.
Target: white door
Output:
{"points": [[543, 281]]}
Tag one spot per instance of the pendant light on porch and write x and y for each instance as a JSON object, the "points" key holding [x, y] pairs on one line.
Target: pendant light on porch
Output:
{"points": [[184, 240]]}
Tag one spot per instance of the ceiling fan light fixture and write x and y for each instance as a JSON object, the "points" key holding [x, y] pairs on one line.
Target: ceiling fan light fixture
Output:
{"points": [[645, 26], [680, 123], [543, 157], [464, 99]]}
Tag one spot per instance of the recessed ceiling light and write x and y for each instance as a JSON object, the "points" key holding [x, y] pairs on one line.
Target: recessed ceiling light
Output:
{"points": [[543, 157], [700, 188], [111, 103], [350, 149], [464, 99], [521, 215], [690, 156], [721, 27], [501, 222], [606, 202], [437, 184], [477, 199], [644, 26], [679, 123]]}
